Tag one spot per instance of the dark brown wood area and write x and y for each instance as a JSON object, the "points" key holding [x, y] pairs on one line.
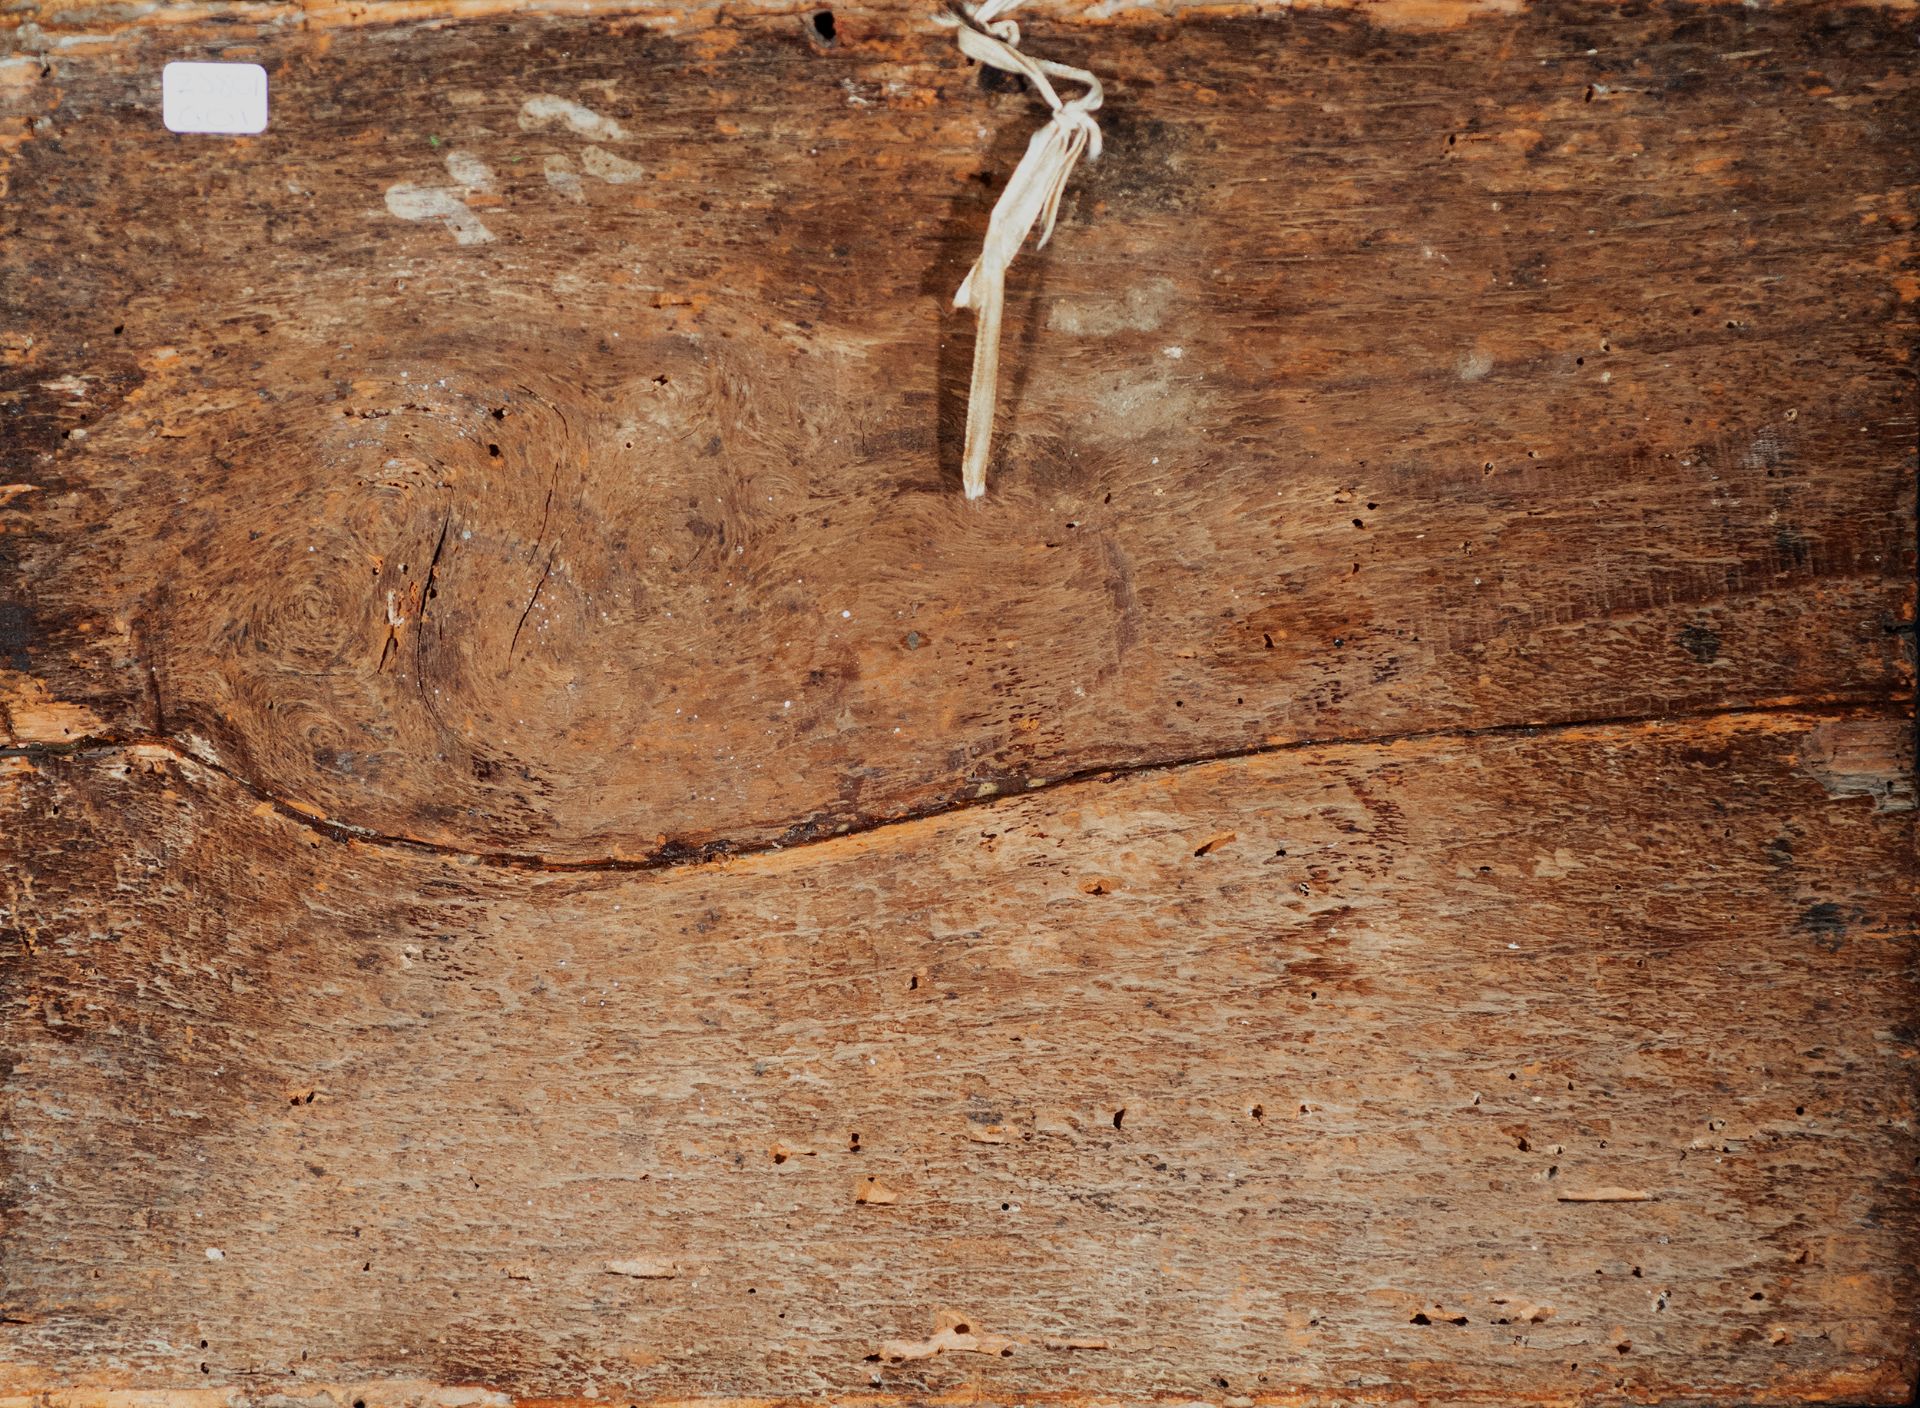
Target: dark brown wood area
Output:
{"points": [[550, 855]]}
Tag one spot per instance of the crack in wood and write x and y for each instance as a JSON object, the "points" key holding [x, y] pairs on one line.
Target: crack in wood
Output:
{"points": [[521, 623], [420, 633], [672, 855]]}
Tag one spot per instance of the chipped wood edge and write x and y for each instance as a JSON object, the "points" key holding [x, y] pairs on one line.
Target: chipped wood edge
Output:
{"points": [[1888, 1386], [79, 23]]}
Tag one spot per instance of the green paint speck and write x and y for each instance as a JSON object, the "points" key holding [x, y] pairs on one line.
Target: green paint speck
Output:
{"points": [[433, 141]]}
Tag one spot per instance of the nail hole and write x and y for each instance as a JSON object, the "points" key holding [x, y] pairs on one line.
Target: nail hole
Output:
{"points": [[824, 27]]}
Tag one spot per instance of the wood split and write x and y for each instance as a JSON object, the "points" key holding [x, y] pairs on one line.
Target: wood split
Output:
{"points": [[646, 1268]]}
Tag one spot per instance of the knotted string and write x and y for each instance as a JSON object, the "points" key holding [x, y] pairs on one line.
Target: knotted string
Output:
{"points": [[1032, 196]]}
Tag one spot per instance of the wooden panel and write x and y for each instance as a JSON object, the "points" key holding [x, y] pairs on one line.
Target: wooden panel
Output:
{"points": [[1569, 381], [1281, 1076], [551, 856]]}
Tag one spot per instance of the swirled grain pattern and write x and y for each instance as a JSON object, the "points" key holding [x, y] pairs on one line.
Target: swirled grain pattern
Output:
{"points": [[594, 498]]}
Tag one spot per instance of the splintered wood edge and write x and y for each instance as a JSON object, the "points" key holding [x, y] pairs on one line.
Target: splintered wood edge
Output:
{"points": [[414, 1393], [89, 22]]}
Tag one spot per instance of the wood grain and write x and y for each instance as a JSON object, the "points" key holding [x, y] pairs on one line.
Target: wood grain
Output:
{"points": [[1307, 1115], [1557, 386], [549, 855]]}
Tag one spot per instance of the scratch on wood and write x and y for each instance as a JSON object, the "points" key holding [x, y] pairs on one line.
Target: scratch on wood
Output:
{"points": [[1606, 1195]]}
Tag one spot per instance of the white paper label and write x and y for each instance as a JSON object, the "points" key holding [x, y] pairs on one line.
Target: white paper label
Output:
{"points": [[229, 98]]}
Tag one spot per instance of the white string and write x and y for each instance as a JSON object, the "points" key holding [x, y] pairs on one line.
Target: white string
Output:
{"points": [[1032, 197]]}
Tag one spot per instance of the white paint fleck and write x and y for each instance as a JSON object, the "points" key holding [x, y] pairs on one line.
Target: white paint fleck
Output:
{"points": [[544, 110], [215, 1254], [1474, 364], [469, 171], [614, 170], [411, 202], [70, 386]]}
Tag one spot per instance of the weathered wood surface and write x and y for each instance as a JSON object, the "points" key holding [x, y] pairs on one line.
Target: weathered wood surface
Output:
{"points": [[1445, 596], [1244, 1115], [1514, 384]]}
